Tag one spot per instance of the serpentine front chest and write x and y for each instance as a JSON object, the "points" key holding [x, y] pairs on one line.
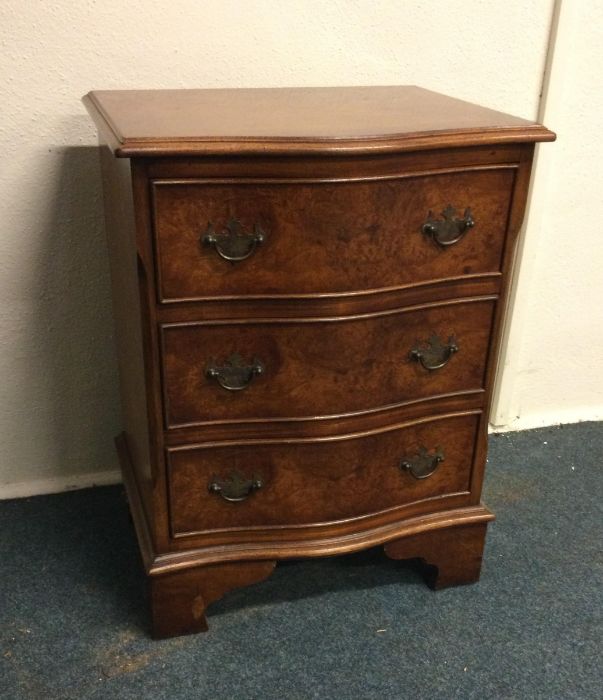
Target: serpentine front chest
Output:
{"points": [[308, 290]]}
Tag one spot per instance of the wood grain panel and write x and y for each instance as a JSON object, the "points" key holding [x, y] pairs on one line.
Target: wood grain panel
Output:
{"points": [[326, 238], [128, 312], [318, 482], [327, 367]]}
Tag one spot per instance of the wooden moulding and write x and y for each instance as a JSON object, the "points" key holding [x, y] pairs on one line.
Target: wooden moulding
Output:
{"points": [[298, 121], [182, 584]]}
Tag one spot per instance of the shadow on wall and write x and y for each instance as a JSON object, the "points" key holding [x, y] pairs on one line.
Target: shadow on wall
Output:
{"points": [[74, 321]]}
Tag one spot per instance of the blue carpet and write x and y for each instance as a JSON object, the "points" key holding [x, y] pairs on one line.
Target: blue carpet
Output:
{"points": [[74, 622]]}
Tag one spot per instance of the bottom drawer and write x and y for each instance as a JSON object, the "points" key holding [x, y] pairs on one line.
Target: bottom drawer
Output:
{"points": [[318, 481]]}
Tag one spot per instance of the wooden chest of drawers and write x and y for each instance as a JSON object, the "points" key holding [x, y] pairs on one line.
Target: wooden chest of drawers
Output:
{"points": [[309, 288]]}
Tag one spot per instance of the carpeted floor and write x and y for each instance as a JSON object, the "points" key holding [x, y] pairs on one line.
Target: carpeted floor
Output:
{"points": [[74, 622]]}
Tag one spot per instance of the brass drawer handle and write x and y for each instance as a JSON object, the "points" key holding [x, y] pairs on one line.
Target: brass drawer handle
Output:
{"points": [[234, 374], [235, 487], [433, 353], [423, 464], [451, 229], [234, 243]]}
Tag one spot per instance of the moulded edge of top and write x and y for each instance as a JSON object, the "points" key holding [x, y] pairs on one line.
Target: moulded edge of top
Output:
{"points": [[124, 147]]}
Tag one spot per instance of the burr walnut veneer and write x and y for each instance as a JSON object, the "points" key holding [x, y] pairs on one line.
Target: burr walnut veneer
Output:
{"points": [[308, 291]]}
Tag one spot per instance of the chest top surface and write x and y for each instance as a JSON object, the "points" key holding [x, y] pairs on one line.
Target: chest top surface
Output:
{"points": [[293, 121]]}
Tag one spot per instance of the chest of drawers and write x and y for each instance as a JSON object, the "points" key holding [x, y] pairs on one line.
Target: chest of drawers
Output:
{"points": [[309, 287]]}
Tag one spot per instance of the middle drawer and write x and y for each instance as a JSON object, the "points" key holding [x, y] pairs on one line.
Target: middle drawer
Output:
{"points": [[307, 368]]}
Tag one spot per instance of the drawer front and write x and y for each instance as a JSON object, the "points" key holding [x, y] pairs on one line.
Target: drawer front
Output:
{"points": [[298, 483], [296, 370], [306, 239]]}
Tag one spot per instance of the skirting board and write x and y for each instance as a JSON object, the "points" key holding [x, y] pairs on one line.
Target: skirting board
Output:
{"points": [[58, 484], [546, 420]]}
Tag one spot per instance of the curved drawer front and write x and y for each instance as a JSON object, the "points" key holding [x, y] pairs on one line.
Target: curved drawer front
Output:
{"points": [[297, 483], [299, 370], [305, 239]]}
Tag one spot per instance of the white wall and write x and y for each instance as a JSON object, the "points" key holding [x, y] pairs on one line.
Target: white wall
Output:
{"points": [[59, 408], [553, 371]]}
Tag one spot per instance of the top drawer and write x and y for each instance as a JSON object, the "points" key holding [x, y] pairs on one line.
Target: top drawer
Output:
{"points": [[260, 238]]}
